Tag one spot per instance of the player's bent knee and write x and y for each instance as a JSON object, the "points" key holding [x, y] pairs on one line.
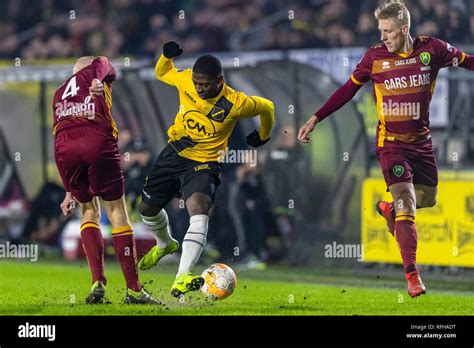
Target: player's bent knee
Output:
{"points": [[117, 212], [90, 213], [147, 210], [91, 217], [199, 206], [429, 202]]}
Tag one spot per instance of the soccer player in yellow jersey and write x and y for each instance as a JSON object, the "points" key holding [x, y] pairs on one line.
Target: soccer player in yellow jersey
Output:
{"points": [[189, 166]]}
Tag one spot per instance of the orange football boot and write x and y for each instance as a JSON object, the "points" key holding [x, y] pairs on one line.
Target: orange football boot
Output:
{"points": [[415, 286], [386, 210]]}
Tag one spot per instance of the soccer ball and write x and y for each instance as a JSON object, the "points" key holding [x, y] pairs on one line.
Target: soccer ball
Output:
{"points": [[219, 281]]}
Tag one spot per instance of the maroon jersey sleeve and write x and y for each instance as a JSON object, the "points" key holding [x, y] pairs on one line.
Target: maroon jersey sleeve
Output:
{"points": [[363, 70], [447, 54], [103, 69], [467, 62], [338, 99], [343, 94]]}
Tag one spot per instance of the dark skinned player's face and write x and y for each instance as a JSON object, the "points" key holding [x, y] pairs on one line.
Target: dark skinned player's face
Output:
{"points": [[207, 87]]}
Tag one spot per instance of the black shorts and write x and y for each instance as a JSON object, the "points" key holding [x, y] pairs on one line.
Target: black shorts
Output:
{"points": [[176, 176]]}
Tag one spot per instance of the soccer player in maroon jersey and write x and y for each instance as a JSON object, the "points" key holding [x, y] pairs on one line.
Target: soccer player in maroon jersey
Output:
{"points": [[403, 71], [88, 161]]}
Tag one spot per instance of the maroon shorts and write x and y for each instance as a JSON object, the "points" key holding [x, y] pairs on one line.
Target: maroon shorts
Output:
{"points": [[414, 163], [88, 160]]}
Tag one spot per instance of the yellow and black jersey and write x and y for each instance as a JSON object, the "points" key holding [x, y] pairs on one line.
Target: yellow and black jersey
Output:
{"points": [[202, 127]]}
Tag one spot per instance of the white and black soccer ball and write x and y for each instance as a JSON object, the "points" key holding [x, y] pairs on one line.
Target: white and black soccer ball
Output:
{"points": [[219, 281]]}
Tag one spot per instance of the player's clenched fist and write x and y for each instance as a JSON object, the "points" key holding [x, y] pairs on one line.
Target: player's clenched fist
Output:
{"points": [[253, 139], [307, 128], [68, 204], [96, 89], [171, 49]]}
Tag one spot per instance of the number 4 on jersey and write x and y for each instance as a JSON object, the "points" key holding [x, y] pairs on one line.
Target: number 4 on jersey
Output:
{"points": [[71, 89]]}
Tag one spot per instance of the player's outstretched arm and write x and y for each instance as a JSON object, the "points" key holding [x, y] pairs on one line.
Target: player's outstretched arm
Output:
{"points": [[259, 106], [337, 100], [468, 62], [452, 56], [308, 127], [164, 68]]}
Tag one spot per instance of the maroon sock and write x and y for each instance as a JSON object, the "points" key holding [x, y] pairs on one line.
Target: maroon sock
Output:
{"points": [[405, 233], [93, 245], [124, 245]]}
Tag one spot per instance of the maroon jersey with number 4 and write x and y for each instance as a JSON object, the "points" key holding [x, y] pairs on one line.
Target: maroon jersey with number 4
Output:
{"points": [[73, 106], [85, 136]]}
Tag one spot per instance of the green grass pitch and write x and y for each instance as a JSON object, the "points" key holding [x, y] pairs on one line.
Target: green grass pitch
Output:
{"points": [[53, 288]]}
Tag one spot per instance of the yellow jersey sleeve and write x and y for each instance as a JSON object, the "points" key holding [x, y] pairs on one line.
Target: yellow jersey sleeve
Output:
{"points": [[251, 106], [166, 72]]}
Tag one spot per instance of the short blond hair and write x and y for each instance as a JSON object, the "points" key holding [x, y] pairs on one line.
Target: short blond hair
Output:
{"points": [[394, 9]]}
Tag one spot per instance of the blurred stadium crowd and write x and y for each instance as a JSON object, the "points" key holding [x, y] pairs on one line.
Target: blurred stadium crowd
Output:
{"points": [[41, 29]]}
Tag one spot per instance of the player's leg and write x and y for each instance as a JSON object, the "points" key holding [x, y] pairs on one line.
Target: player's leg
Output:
{"points": [[199, 188], [156, 219], [159, 188], [123, 241], [425, 178], [404, 199], [425, 196], [397, 167], [93, 245], [384, 208], [198, 206], [107, 181], [73, 169], [124, 245]]}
